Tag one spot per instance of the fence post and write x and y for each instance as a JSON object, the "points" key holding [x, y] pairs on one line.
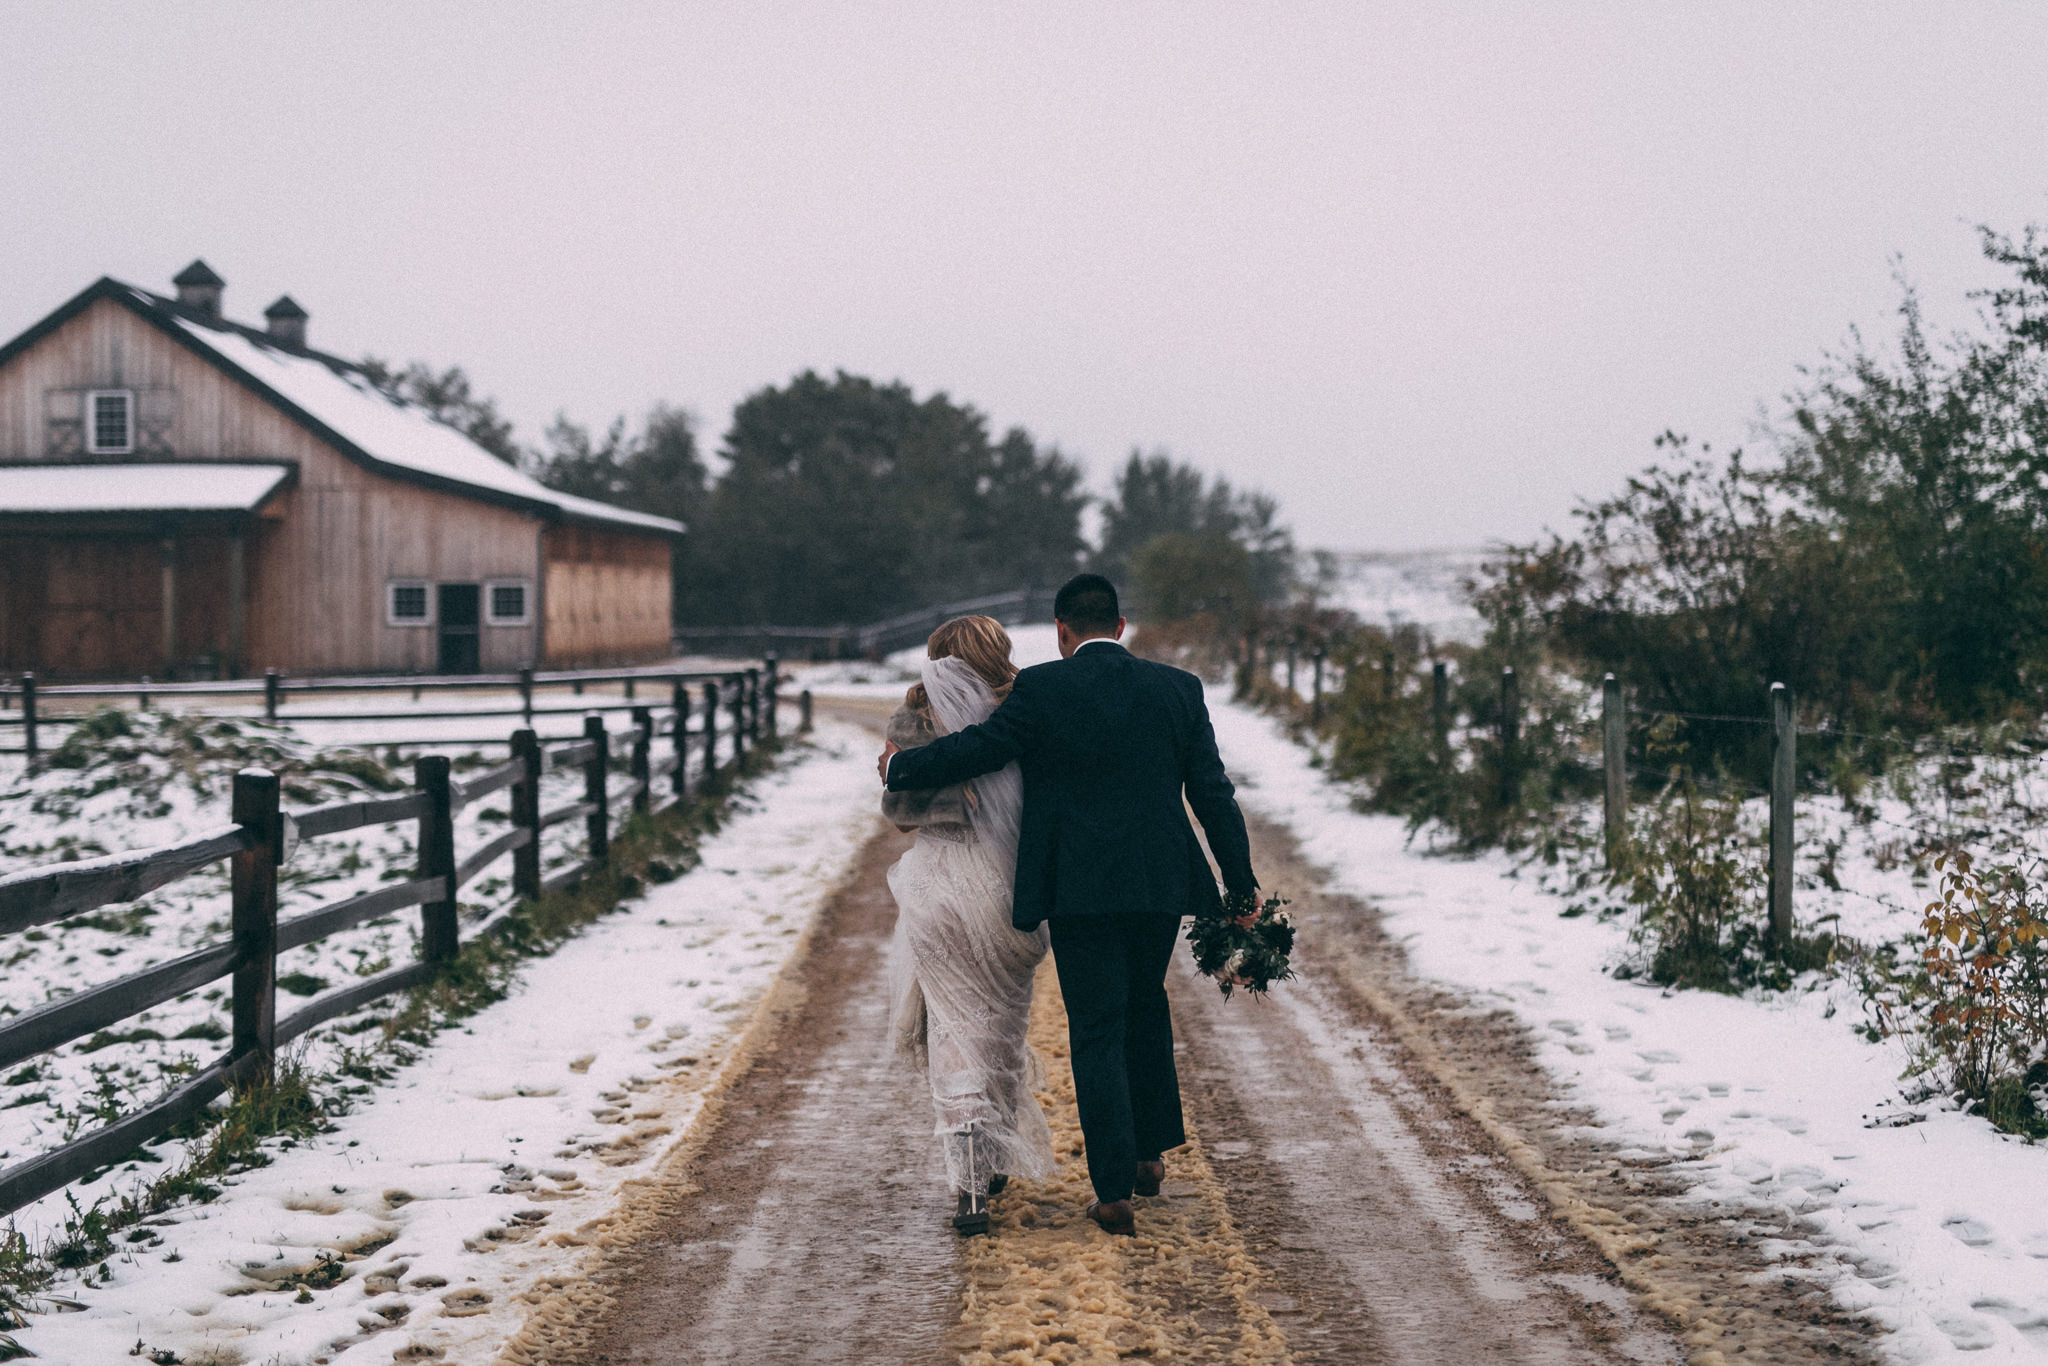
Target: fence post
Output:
{"points": [[754, 707], [774, 691], [1315, 705], [526, 694], [1440, 711], [643, 741], [599, 822], [1510, 737], [526, 815], [1614, 753], [680, 780], [1784, 778], [142, 694], [1293, 649], [739, 718], [710, 731], [253, 878], [629, 687], [803, 712], [28, 717], [270, 685], [436, 856]]}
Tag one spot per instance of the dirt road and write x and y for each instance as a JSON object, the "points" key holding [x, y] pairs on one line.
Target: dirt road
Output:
{"points": [[1339, 1202]]}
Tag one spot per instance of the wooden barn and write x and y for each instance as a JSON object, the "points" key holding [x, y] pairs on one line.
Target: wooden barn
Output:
{"points": [[185, 497]]}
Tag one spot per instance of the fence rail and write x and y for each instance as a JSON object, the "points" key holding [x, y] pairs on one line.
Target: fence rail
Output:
{"points": [[258, 843], [748, 686]]}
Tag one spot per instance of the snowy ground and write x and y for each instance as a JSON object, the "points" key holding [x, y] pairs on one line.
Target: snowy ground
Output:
{"points": [[1425, 587], [889, 678], [1927, 1220], [145, 790], [486, 1168]]}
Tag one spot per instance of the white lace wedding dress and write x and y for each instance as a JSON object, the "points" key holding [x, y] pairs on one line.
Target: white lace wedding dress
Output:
{"points": [[960, 973]]}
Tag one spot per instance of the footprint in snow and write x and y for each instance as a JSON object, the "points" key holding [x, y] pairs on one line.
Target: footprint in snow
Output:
{"points": [[1969, 1232]]}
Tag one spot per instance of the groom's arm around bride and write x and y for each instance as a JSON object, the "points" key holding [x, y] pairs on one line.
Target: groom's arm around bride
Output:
{"points": [[1113, 750]]}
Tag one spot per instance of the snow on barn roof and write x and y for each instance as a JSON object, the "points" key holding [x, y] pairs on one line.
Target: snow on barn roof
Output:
{"points": [[340, 397], [188, 486]]}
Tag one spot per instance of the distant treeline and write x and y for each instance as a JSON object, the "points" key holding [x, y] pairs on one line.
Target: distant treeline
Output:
{"points": [[845, 500], [1889, 560]]}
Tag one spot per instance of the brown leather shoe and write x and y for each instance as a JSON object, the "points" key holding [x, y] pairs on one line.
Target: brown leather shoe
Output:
{"points": [[1114, 1217], [1150, 1174]]}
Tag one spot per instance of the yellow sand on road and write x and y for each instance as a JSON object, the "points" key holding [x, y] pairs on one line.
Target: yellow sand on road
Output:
{"points": [[1048, 1286]]}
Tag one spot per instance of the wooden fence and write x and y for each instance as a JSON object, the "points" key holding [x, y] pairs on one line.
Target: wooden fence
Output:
{"points": [[24, 703], [1015, 608], [1260, 656], [262, 836]]}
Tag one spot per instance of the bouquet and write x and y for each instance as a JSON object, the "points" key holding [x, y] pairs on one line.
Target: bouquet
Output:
{"points": [[1252, 956]]}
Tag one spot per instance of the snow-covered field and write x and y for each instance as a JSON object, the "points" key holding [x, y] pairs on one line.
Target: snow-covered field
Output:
{"points": [[169, 780], [485, 1170], [1423, 587], [1927, 1220]]}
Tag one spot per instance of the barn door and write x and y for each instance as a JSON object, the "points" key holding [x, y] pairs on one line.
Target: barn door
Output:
{"points": [[460, 616]]}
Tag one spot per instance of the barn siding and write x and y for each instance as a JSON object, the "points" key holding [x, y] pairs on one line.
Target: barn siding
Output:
{"points": [[608, 597]]}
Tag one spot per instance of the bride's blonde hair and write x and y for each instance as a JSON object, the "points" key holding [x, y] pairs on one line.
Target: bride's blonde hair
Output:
{"points": [[979, 642]]}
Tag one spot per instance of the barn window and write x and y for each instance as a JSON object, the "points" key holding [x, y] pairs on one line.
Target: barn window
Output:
{"points": [[506, 602], [409, 603], [110, 421]]}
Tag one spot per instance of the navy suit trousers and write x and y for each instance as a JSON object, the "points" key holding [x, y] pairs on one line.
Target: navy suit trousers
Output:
{"points": [[1112, 971]]}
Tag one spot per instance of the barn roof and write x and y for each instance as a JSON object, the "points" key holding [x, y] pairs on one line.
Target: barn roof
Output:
{"points": [[155, 487], [338, 401]]}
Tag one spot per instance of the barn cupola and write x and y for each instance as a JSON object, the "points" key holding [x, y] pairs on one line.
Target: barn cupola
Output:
{"points": [[199, 288], [287, 322]]}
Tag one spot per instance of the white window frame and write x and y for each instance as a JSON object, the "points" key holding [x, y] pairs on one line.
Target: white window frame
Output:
{"points": [[491, 617], [92, 422], [391, 617]]}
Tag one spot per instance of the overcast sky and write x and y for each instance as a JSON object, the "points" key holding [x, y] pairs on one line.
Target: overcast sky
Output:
{"points": [[1429, 272]]}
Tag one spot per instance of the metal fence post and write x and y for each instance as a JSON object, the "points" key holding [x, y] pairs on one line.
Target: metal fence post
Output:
{"points": [[679, 781], [1614, 754], [1315, 705], [438, 931], [643, 741], [599, 822], [1293, 649], [271, 681], [774, 691], [803, 712], [754, 707], [1440, 711], [28, 718], [1510, 737], [526, 694], [526, 815], [1784, 778], [142, 694], [253, 878], [710, 731]]}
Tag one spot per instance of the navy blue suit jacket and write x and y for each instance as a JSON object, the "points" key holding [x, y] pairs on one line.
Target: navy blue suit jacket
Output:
{"points": [[1107, 744]]}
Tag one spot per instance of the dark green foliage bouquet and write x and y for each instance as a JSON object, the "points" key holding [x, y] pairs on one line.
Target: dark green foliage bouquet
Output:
{"points": [[1236, 955]]}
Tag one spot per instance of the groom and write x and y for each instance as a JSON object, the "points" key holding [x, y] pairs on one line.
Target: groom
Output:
{"points": [[1108, 743]]}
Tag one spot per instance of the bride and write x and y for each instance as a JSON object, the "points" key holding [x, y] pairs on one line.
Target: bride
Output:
{"points": [[960, 973]]}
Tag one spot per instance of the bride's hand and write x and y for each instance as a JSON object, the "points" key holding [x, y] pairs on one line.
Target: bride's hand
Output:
{"points": [[882, 764]]}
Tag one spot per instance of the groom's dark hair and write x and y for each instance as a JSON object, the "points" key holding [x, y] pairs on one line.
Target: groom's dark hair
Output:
{"points": [[1087, 604]]}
